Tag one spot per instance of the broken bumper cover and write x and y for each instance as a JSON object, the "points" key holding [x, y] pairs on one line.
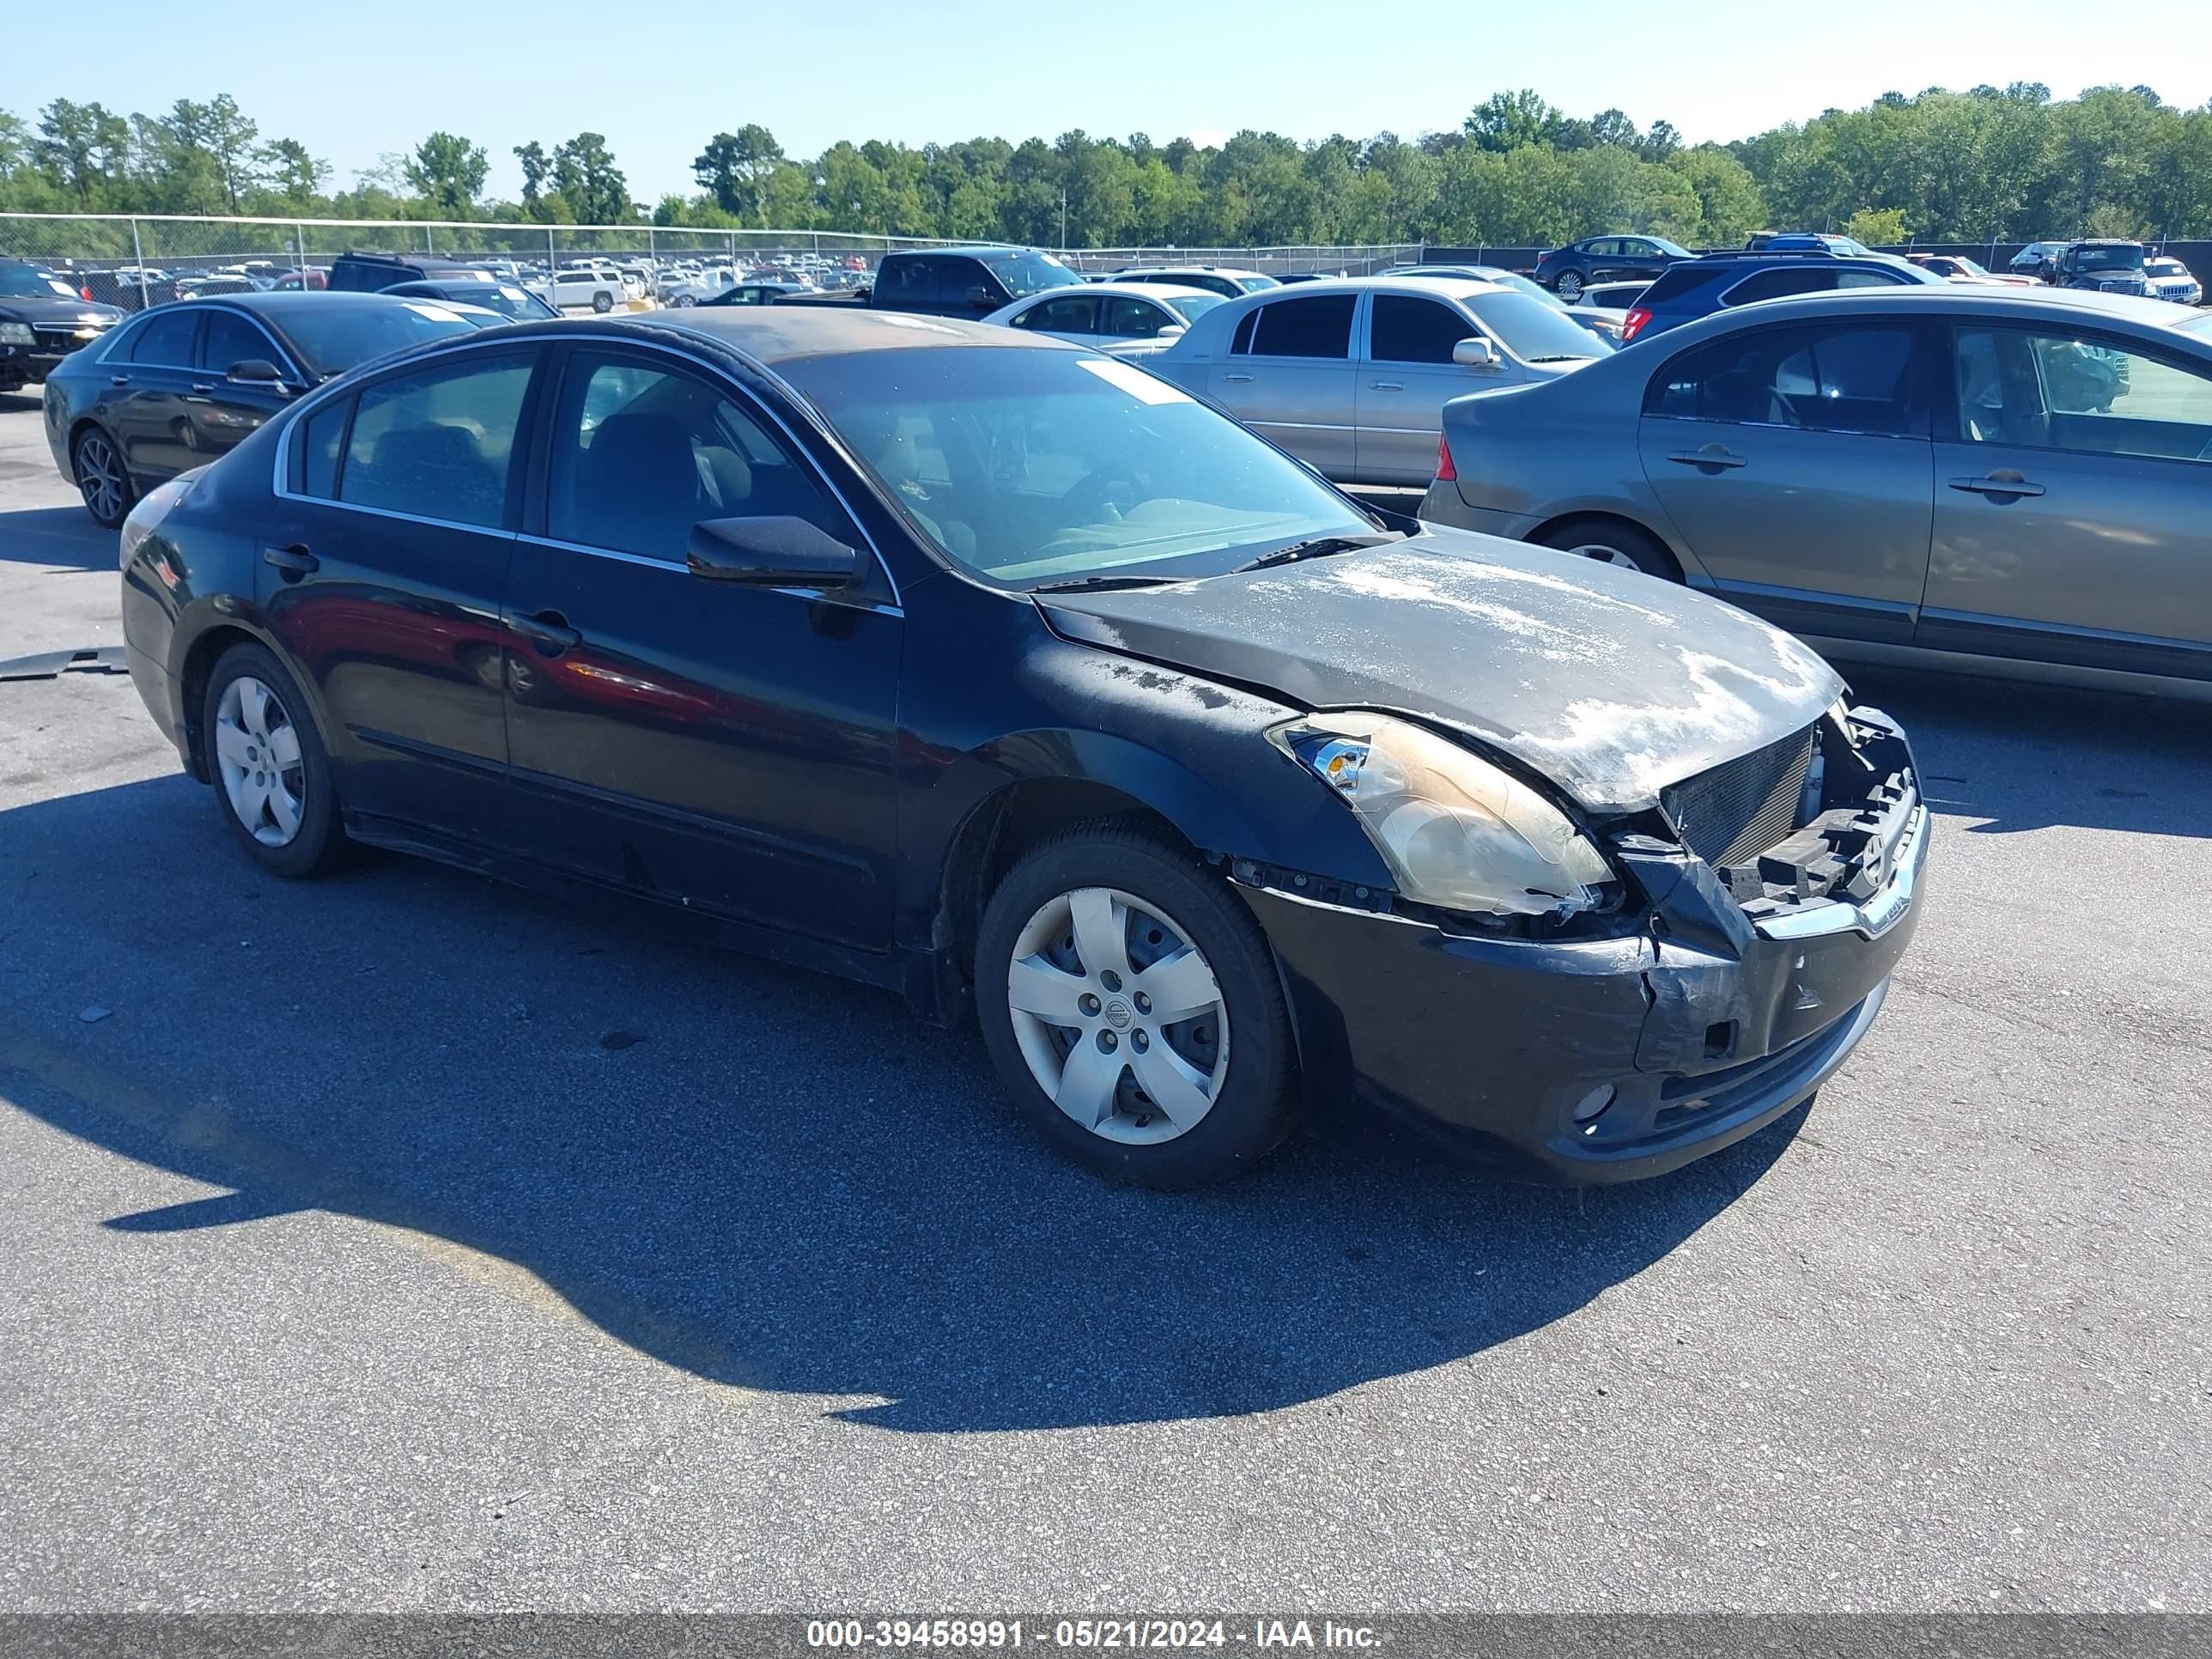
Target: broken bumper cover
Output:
{"points": [[1597, 1059]]}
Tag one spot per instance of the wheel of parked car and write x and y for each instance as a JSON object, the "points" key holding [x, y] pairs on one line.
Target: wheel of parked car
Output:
{"points": [[682, 299], [1611, 542], [603, 302], [102, 477], [1132, 1008], [271, 776], [1569, 286]]}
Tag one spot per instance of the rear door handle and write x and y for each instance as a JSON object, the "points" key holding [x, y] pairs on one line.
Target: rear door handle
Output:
{"points": [[1236, 380], [1710, 455], [203, 388], [549, 630], [293, 562], [118, 380], [1997, 486], [1386, 386]]}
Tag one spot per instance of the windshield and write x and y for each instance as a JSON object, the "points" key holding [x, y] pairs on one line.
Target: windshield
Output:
{"points": [[1024, 273], [1672, 250], [2165, 268], [333, 337], [1253, 284], [20, 282], [2108, 259], [1520, 284], [510, 301], [1534, 332], [1040, 466], [1191, 306]]}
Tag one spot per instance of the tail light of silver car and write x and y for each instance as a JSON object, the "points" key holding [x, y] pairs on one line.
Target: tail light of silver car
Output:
{"points": [[1446, 472], [1632, 325]]}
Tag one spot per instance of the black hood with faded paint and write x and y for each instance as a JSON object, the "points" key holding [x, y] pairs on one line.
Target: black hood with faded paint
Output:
{"points": [[1610, 683]]}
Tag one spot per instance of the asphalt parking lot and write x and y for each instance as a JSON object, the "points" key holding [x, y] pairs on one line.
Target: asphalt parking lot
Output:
{"points": [[405, 1241]]}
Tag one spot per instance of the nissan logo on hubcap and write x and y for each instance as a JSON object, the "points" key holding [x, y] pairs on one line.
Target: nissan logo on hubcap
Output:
{"points": [[1117, 1014]]}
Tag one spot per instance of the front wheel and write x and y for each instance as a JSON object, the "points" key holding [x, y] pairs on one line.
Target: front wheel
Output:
{"points": [[102, 479], [1132, 1008], [682, 300], [1570, 287], [603, 302]]}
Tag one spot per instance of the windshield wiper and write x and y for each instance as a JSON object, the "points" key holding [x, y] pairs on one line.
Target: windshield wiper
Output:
{"points": [[1093, 584], [1319, 548]]}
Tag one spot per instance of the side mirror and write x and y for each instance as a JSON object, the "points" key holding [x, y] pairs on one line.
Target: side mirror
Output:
{"points": [[256, 371], [1173, 331], [770, 552], [980, 295], [1476, 353]]}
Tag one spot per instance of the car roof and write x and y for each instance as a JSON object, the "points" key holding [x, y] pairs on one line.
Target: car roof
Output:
{"points": [[1169, 270], [1126, 290], [1450, 287], [1955, 299], [770, 335]]}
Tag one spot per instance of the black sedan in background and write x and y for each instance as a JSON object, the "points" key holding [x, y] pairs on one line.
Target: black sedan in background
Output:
{"points": [[181, 384], [42, 320], [1568, 270], [995, 670], [514, 304]]}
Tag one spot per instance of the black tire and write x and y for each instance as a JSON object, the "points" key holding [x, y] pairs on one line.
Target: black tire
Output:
{"points": [[320, 845], [603, 302], [1252, 1109], [682, 301], [102, 478], [1624, 543]]}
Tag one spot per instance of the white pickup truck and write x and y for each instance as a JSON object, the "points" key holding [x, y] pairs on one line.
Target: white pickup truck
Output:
{"points": [[600, 287], [697, 288]]}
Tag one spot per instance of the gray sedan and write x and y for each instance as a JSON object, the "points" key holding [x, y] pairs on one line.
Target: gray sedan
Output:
{"points": [[2015, 483], [1352, 376]]}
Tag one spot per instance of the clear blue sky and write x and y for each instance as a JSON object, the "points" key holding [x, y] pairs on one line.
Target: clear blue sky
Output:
{"points": [[352, 83]]}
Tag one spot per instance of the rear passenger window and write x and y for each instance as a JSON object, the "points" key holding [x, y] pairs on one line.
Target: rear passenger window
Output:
{"points": [[437, 443], [1775, 284], [1318, 327], [1837, 378], [1409, 330], [166, 341], [315, 451]]}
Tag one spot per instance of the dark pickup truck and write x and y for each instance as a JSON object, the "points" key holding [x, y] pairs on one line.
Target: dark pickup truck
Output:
{"points": [[962, 282], [2106, 266]]}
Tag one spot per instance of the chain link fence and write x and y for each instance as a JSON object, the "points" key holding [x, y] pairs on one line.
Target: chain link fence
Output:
{"points": [[133, 261]]}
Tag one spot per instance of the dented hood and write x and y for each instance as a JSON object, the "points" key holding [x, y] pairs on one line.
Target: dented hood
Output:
{"points": [[1608, 683]]}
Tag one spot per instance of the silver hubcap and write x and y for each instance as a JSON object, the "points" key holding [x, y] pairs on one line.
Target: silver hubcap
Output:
{"points": [[1119, 1016], [1571, 287], [257, 751], [1605, 555], [100, 476]]}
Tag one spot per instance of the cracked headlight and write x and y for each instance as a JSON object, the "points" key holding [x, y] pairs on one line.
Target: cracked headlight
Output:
{"points": [[1457, 832]]}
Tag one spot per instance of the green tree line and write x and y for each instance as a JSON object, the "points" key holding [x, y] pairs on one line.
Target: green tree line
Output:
{"points": [[1993, 163]]}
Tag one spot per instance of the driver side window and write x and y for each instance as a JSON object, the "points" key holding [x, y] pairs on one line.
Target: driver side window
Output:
{"points": [[642, 453]]}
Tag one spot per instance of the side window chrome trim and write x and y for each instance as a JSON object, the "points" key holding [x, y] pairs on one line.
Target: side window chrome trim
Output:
{"points": [[812, 595]]}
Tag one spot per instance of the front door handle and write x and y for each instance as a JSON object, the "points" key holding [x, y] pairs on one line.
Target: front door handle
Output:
{"points": [[1236, 380], [549, 631], [291, 563], [203, 388], [118, 380], [1386, 385], [1712, 455], [1998, 483]]}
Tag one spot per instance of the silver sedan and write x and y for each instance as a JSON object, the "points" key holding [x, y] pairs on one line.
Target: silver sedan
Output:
{"points": [[2013, 482], [1352, 376], [1129, 320]]}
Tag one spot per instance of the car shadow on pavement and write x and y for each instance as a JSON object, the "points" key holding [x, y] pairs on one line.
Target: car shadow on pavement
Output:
{"points": [[767, 1178], [64, 536], [2022, 756]]}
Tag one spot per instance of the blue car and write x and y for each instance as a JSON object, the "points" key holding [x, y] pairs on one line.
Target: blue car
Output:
{"points": [[1714, 282]]}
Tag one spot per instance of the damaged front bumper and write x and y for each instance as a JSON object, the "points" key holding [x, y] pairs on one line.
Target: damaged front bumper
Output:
{"points": [[1625, 1056]]}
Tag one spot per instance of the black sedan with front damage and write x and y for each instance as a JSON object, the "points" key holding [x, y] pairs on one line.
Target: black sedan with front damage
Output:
{"points": [[997, 671]]}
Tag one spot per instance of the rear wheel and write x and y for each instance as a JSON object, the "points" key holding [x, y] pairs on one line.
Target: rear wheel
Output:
{"points": [[1569, 286], [102, 478], [273, 779], [1608, 541], [603, 302], [1131, 1006]]}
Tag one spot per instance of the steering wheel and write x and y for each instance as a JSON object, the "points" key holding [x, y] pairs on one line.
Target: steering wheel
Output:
{"points": [[1094, 492]]}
